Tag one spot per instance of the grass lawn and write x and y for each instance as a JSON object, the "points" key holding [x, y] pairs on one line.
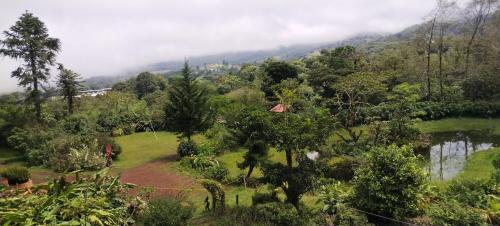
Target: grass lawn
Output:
{"points": [[479, 165], [140, 148], [7, 155], [231, 160], [460, 124]]}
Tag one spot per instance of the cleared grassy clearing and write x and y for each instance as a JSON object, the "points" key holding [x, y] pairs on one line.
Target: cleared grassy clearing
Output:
{"points": [[460, 124], [140, 148]]}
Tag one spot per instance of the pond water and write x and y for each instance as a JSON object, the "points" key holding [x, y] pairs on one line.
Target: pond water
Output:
{"points": [[450, 151]]}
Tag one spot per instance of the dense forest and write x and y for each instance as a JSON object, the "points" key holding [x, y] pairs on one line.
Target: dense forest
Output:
{"points": [[337, 136]]}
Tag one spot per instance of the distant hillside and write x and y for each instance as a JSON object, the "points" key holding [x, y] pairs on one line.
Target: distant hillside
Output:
{"points": [[284, 53], [234, 58]]}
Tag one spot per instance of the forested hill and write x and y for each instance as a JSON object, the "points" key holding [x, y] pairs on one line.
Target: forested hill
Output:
{"points": [[283, 53], [367, 43]]}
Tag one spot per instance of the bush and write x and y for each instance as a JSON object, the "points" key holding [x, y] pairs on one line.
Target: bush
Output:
{"points": [[346, 216], [473, 192], [260, 198], [187, 148], [68, 153], [391, 183], [217, 172], [451, 212], [16, 174], [344, 169], [165, 211], [104, 139], [279, 214]]}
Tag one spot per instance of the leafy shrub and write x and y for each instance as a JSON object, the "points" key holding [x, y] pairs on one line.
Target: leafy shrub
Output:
{"points": [[93, 200], [261, 197], [344, 169], [472, 192], [68, 153], [279, 214], [103, 140], [390, 183], [165, 211], [207, 149], [217, 172], [451, 212], [187, 148], [16, 174], [346, 216]]}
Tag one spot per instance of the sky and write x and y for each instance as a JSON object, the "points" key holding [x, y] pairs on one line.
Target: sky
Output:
{"points": [[101, 37]]}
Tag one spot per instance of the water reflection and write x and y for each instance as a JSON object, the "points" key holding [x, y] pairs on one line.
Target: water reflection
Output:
{"points": [[450, 151]]}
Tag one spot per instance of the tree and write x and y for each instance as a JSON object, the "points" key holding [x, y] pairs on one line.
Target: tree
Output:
{"points": [[432, 24], [444, 10], [187, 111], [277, 71], [478, 11], [69, 83], [353, 92], [391, 183], [294, 134], [29, 40], [252, 128], [294, 181], [147, 83], [330, 65]]}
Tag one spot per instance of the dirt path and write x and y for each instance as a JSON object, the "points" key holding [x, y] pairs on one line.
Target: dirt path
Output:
{"points": [[156, 174]]}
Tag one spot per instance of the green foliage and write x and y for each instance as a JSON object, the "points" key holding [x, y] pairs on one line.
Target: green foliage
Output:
{"points": [[276, 71], [279, 214], [29, 41], [69, 83], [252, 128], [187, 148], [344, 169], [330, 65], [16, 174], [333, 196], [188, 111], [451, 212], [391, 183], [346, 216], [217, 172], [94, 200], [264, 197], [294, 181], [218, 194], [165, 212], [481, 88], [306, 130], [472, 192], [147, 83]]}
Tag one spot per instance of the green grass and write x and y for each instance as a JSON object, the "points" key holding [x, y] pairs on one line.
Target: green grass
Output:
{"points": [[460, 124], [7, 155], [140, 148], [231, 160], [479, 165]]}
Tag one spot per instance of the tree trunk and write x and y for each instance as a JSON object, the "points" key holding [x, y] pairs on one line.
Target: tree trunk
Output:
{"points": [[441, 49], [250, 170], [289, 158], [427, 71], [70, 105]]}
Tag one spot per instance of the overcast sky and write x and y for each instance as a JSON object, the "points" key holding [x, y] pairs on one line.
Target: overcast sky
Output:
{"points": [[107, 37]]}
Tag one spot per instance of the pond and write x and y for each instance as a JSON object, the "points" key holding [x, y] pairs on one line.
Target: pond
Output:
{"points": [[450, 151]]}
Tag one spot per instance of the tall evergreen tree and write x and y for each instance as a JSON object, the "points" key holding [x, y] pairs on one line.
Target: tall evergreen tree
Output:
{"points": [[29, 41], [68, 82], [187, 111]]}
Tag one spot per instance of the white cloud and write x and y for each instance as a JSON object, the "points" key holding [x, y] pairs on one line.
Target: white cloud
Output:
{"points": [[107, 37]]}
